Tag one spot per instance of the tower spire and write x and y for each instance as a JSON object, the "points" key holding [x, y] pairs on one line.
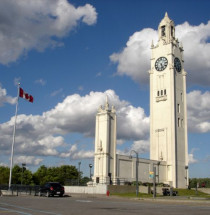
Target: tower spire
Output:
{"points": [[152, 44], [166, 30], [107, 103]]}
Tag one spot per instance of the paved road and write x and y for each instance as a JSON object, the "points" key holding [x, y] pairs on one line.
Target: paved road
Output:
{"points": [[29, 205]]}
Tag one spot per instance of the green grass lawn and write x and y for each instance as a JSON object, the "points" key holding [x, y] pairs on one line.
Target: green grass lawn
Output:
{"points": [[132, 195], [191, 193], [181, 192]]}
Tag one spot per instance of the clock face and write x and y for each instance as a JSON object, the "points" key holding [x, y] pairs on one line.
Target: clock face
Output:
{"points": [[161, 63], [177, 64]]}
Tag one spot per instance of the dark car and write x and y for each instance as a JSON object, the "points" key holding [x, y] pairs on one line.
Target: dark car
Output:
{"points": [[166, 192], [52, 189]]}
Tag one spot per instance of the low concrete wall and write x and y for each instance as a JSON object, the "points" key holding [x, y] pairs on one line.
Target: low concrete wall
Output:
{"points": [[8, 193], [98, 189], [17, 193], [121, 189], [131, 189], [204, 190]]}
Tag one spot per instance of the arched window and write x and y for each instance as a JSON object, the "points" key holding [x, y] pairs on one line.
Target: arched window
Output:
{"points": [[172, 31], [163, 33]]}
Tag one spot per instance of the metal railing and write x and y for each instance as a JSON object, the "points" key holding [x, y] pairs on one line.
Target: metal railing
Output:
{"points": [[18, 189]]}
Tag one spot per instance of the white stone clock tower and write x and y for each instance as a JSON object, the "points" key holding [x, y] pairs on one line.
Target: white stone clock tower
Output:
{"points": [[168, 114]]}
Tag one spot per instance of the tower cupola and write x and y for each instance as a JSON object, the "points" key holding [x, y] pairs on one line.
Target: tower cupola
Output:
{"points": [[166, 30]]}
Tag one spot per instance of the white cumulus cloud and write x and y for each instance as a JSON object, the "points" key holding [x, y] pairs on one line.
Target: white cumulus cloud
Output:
{"points": [[40, 81], [75, 153], [4, 98], [132, 123], [37, 24], [141, 146], [198, 106], [28, 160], [191, 159], [134, 59]]}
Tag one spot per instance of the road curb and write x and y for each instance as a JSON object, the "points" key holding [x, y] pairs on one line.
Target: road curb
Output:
{"points": [[197, 200]]}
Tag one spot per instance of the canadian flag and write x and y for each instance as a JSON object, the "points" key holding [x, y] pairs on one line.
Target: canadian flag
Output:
{"points": [[25, 95]]}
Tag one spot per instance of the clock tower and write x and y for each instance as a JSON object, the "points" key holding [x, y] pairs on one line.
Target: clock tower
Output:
{"points": [[168, 113]]}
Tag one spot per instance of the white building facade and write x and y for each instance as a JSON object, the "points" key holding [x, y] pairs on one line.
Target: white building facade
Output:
{"points": [[168, 122]]}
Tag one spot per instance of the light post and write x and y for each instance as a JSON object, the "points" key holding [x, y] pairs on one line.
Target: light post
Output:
{"points": [[154, 181], [79, 163], [90, 165], [23, 165], [137, 161]]}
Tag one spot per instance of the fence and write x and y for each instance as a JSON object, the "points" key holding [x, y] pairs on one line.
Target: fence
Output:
{"points": [[117, 181], [76, 182], [17, 189]]}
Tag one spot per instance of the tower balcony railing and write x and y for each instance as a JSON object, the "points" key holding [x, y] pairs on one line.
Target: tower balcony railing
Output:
{"points": [[161, 98]]}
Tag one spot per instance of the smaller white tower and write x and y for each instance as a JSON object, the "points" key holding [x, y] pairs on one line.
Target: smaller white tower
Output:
{"points": [[105, 145]]}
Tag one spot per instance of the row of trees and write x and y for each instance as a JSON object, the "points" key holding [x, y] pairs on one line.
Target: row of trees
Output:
{"points": [[65, 174], [199, 182]]}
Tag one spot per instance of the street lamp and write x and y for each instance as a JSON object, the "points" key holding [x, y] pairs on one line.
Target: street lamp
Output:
{"points": [[90, 165], [79, 163], [23, 165], [137, 160]]}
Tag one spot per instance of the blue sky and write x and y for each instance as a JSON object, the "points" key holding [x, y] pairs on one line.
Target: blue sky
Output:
{"points": [[70, 54]]}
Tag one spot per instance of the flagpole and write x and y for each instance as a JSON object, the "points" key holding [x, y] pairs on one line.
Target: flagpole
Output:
{"points": [[13, 140]]}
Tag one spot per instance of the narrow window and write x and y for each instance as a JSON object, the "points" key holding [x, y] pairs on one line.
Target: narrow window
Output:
{"points": [[163, 33], [172, 29], [178, 122], [158, 93], [178, 108], [164, 92], [161, 92]]}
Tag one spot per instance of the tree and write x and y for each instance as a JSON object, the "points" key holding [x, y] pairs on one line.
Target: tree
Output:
{"points": [[21, 173], [27, 177], [56, 174], [4, 175], [67, 172], [84, 181], [40, 175], [202, 182], [16, 174]]}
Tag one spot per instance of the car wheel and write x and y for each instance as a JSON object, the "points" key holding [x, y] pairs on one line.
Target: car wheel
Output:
{"points": [[61, 195]]}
